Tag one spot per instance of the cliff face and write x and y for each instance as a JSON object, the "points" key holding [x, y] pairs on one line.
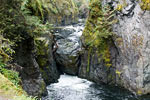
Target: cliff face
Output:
{"points": [[98, 48], [16, 31], [27, 25], [21, 23], [133, 31], [128, 50], [32, 81]]}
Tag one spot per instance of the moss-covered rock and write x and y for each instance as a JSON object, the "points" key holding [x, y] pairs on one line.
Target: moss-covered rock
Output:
{"points": [[61, 12], [130, 57], [98, 31], [32, 81], [45, 58], [96, 59], [20, 30]]}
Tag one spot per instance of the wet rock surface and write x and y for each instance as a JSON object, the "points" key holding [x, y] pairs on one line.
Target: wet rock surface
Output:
{"points": [[69, 46]]}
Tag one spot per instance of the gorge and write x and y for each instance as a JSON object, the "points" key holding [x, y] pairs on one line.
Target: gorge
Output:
{"points": [[47, 46]]}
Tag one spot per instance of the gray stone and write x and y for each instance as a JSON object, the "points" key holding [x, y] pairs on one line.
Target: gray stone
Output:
{"points": [[67, 54], [93, 67], [46, 60], [133, 59], [32, 81], [130, 57]]}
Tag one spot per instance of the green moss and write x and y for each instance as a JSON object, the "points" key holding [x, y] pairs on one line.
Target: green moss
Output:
{"points": [[12, 75], [43, 86], [111, 77], [89, 55], [98, 30], [118, 73], [139, 92], [145, 5], [59, 9], [42, 49], [121, 5], [10, 91], [42, 61]]}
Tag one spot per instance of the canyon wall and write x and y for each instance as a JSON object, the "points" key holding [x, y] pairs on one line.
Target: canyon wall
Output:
{"points": [[125, 60]]}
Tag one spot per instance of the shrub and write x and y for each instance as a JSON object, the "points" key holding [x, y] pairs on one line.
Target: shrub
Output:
{"points": [[13, 76]]}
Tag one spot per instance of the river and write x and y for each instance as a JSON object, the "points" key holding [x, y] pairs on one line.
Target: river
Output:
{"points": [[74, 88]]}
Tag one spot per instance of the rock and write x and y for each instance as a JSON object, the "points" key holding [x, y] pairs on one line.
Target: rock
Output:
{"points": [[129, 52], [62, 32], [133, 28], [32, 81], [93, 67], [61, 12], [67, 64], [67, 54], [98, 50], [35, 87], [46, 60], [65, 12]]}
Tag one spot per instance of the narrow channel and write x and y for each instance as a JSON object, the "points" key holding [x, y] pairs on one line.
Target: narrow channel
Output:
{"points": [[74, 88]]}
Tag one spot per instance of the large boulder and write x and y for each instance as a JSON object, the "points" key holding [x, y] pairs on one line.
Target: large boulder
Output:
{"points": [[68, 47]]}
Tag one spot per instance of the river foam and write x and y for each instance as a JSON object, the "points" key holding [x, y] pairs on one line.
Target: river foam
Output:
{"points": [[74, 88]]}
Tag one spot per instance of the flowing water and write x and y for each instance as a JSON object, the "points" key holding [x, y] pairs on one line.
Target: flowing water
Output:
{"points": [[68, 40], [74, 88]]}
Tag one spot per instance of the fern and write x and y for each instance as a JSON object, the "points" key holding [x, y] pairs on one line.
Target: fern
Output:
{"points": [[98, 30], [35, 7]]}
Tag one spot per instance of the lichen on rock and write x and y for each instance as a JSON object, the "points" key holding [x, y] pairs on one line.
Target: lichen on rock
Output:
{"points": [[129, 50], [45, 59], [97, 43], [145, 5], [98, 30]]}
